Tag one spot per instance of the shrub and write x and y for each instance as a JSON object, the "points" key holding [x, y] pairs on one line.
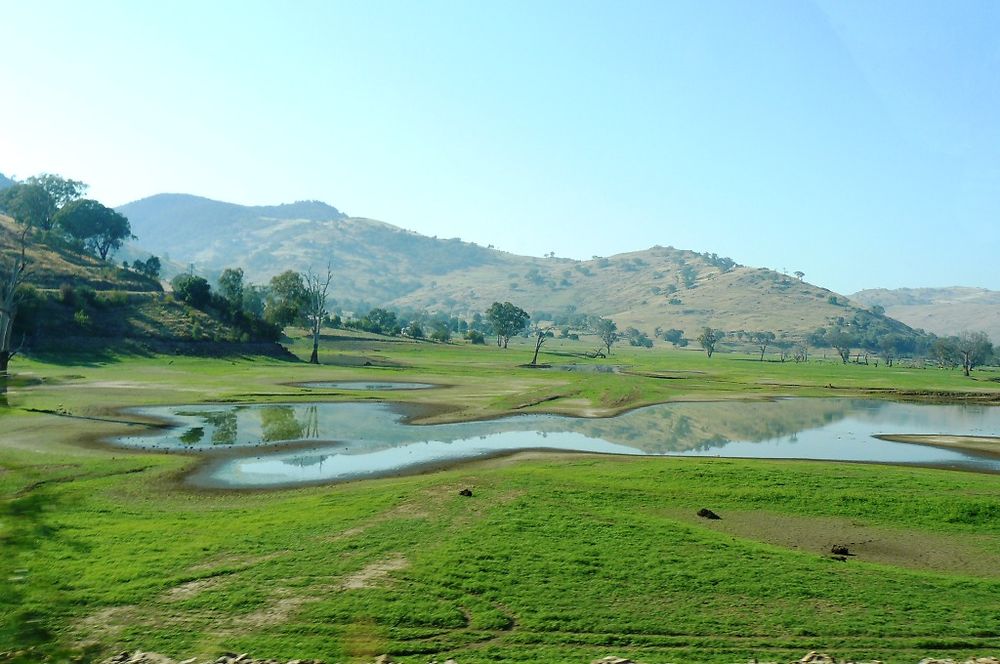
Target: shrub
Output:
{"points": [[81, 319]]}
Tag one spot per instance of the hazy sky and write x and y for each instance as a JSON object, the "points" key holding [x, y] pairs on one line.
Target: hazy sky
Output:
{"points": [[858, 142]]}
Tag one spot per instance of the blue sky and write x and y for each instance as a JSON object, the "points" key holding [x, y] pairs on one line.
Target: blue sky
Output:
{"points": [[858, 142]]}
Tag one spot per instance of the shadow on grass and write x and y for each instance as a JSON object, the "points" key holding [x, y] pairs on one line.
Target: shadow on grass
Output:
{"points": [[27, 627], [83, 358]]}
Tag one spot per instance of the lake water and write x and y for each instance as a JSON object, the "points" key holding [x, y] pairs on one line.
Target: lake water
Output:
{"points": [[367, 385], [265, 445]]}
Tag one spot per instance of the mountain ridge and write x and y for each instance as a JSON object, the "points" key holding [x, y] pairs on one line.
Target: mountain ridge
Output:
{"points": [[941, 310], [380, 264]]}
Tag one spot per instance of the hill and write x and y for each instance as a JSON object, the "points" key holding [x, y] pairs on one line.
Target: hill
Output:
{"points": [[379, 264], [75, 301], [942, 311], [5, 181], [374, 261]]}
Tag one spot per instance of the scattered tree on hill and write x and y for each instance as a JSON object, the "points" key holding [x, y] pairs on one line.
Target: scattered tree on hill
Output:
{"points": [[974, 348], [61, 190], [192, 289], [99, 228], [709, 338], [149, 267], [254, 300], [13, 270], [507, 320], [842, 341], [762, 340], [231, 287], [29, 204], [637, 337], [675, 337], [286, 298], [314, 308], [800, 274], [688, 276]]}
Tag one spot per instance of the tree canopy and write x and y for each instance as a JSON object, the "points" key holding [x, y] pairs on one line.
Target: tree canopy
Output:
{"points": [[99, 228], [286, 298], [507, 320], [607, 330], [709, 338], [29, 204]]}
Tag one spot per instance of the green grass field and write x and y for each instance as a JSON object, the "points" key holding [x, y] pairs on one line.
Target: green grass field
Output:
{"points": [[555, 558]]}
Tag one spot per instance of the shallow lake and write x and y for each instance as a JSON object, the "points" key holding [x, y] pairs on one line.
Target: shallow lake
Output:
{"points": [[367, 385], [277, 444]]}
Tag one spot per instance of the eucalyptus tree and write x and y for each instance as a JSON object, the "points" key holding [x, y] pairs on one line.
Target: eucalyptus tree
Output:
{"points": [[100, 229], [974, 348], [762, 340], [507, 320], [607, 330], [709, 338]]}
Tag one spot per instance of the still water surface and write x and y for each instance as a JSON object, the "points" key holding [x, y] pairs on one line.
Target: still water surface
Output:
{"points": [[264, 445], [367, 385]]}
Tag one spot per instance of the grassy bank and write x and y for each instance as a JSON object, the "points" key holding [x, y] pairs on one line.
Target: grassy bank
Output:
{"points": [[554, 558]]}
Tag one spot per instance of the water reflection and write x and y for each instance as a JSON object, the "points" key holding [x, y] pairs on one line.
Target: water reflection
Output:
{"points": [[344, 440]]}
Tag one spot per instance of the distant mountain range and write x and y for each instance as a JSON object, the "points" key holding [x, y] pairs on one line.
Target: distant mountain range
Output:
{"points": [[377, 264], [6, 181], [939, 310]]}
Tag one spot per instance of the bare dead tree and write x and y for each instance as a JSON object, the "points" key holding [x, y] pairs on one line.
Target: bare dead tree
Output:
{"points": [[541, 334], [13, 271], [315, 308]]}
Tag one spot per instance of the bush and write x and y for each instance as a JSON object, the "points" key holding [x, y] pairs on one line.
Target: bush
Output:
{"points": [[476, 338], [81, 319], [441, 333], [191, 289]]}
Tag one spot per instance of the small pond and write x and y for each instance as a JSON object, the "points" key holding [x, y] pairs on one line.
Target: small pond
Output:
{"points": [[360, 385], [265, 445]]}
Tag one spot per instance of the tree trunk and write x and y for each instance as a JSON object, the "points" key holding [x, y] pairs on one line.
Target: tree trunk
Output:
{"points": [[5, 356], [314, 358]]}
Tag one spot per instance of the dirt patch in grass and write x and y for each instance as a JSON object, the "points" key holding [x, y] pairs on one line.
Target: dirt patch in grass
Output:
{"points": [[231, 561], [191, 589], [375, 573], [959, 554]]}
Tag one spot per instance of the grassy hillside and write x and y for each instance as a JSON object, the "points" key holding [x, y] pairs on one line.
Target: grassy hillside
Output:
{"points": [[374, 261], [943, 311], [50, 266], [377, 264], [78, 301], [660, 287]]}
